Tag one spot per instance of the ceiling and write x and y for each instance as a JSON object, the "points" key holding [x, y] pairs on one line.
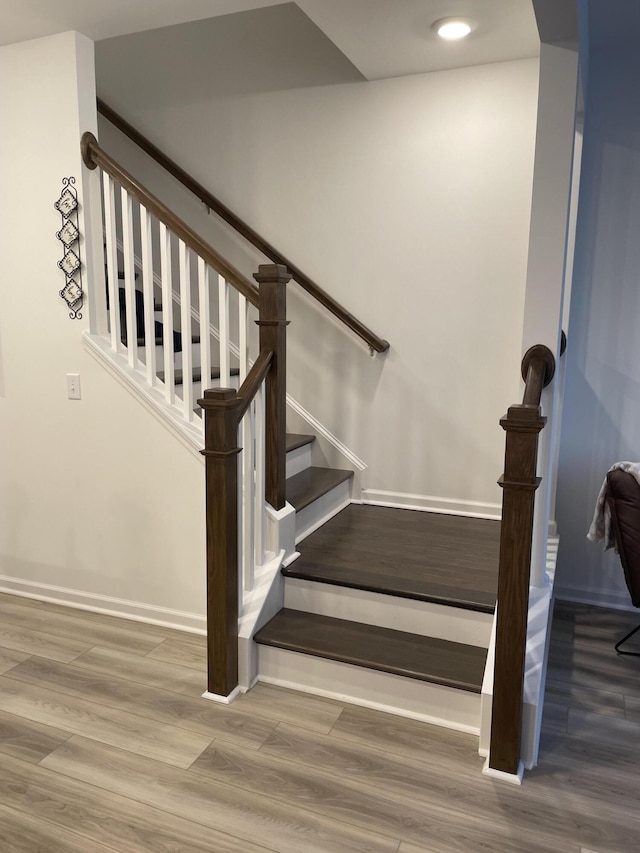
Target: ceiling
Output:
{"points": [[379, 38]]}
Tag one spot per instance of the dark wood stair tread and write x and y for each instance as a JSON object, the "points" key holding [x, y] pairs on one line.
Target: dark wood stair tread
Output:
{"points": [[424, 658], [296, 440], [312, 483], [445, 559], [196, 374]]}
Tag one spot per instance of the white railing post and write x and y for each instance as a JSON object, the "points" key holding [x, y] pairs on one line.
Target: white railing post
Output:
{"points": [[148, 296], [129, 278], [167, 314], [205, 320], [223, 324], [185, 326], [111, 252]]}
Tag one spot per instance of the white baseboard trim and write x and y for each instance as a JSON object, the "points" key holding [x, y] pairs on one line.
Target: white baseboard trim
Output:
{"points": [[512, 778], [614, 600], [136, 611], [429, 503], [223, 700]]}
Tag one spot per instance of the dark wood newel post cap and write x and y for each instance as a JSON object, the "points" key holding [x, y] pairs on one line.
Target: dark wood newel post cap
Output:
{"points": [[218, 397], [272, 272]]}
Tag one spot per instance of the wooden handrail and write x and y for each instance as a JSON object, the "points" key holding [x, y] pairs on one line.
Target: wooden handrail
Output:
{"points": [[94, 156], [212, 203], [252, 383], [522, 424]]}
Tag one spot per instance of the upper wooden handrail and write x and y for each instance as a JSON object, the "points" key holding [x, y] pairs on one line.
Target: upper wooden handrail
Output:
{"points": [[212, 203], [94, 156]]}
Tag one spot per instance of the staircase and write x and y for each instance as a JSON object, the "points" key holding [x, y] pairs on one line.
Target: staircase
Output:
{"points": [[388, 608]]}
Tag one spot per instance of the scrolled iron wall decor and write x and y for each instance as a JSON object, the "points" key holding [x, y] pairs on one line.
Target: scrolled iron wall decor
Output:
{"points": [[69, 236]]}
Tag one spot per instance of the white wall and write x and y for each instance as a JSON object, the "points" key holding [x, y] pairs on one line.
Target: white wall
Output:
{"points": [[601, 422], [408, 200], [96, 498]]}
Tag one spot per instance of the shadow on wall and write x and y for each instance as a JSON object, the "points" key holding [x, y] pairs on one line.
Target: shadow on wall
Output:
{"points": [[601, 422]]}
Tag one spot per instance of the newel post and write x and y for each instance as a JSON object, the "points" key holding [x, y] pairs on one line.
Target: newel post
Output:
{"points": [[519, 483], [221, 454], [272, 280]]}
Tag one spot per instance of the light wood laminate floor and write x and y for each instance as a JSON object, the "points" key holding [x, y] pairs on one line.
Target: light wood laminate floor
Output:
{"points": [[106, 745]]}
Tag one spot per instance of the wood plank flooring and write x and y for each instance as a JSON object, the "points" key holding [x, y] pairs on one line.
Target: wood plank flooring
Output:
{"points": [[106, 745]]}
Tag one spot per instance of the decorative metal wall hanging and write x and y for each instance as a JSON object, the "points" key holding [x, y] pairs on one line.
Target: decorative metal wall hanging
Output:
{"points": [[69, 236]]}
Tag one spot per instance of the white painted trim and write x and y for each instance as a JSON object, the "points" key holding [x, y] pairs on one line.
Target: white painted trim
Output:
{"points": [[222, 700], [136, 611], [429, 503], [134, 381], [360, 685], [512, 778], [315, 514], [597, 598], [322, 431]]}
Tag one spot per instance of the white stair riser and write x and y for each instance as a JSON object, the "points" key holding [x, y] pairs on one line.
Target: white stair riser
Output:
{"points": [[321, 510], [298, 460], [422, 700], [389, 611]]}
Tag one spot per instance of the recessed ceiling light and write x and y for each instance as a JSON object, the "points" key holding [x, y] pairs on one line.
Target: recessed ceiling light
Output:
{"points": [[453, 29]]}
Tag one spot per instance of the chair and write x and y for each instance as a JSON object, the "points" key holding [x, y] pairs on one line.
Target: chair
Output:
{"points": [[623, 498]]}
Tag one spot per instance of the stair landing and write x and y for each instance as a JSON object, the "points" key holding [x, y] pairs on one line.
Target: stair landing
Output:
{"points": [[445, 559]]}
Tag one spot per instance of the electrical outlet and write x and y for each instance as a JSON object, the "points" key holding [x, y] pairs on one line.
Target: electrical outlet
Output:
{"points": [[73, 386]]}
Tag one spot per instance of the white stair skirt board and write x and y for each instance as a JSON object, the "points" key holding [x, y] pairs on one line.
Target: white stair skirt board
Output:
{"points": [[223, 700], [321, 510], [512, 778], [389, 611], [298, 460], [384, 691]]}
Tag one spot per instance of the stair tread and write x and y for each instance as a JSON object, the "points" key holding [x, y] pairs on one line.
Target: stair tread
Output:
{"points": [[296, 440], [196, 374], [312, 483], [424, 658], [445, 559]]}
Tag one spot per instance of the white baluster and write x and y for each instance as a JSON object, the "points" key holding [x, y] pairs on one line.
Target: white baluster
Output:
{"points": [[185, 325], [129, 278], [259, 475], [243, 322], [167, 314], [111, 250], [205, 319], [248, 487], [147, 291], [223, 321]]}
